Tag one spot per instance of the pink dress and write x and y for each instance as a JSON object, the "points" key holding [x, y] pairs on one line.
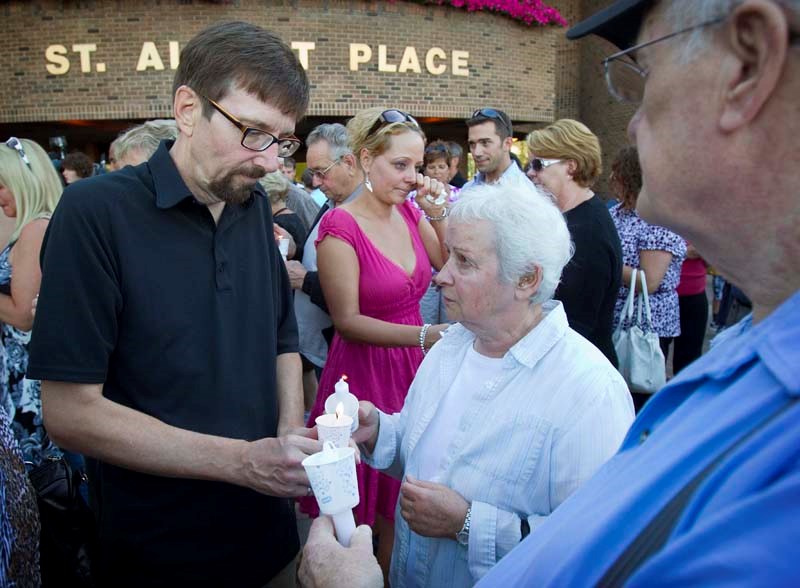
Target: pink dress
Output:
{"points": [[381, 375]]}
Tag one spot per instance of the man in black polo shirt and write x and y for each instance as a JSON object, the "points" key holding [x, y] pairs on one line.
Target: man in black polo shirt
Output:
{"points": [[165, 335]]}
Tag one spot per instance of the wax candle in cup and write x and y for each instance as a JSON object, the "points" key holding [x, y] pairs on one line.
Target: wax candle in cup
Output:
{"points": [[335, 427], [341, 394]]}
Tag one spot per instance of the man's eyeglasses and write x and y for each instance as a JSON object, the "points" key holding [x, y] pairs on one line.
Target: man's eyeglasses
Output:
{"points": [[388, 117], [256, 139], [320, 174], [538, 164], [16, 145], [625, 78], [491, 113]]}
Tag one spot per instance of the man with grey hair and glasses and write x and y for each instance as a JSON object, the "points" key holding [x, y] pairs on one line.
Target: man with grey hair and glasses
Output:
{"points": [[340, 178], [705, 488]]}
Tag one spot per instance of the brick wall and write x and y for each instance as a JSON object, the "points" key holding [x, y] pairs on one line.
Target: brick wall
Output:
{"points": [[607, 118], [531, 72]]}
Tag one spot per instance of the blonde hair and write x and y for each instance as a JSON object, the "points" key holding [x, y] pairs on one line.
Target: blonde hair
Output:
{"points": [[378, 142], [277, 186], [36, 190], [570, 139]]}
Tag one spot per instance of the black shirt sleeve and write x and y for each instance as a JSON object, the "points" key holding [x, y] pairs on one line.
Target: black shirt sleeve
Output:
{"points": [[75, 329]]}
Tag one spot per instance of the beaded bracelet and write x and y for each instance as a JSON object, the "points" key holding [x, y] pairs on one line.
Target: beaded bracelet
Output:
{"points": [[441, 217], [423, 332]]}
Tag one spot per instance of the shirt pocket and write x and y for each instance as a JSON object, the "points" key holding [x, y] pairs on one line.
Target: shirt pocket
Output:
{"points": [[509, 448]]}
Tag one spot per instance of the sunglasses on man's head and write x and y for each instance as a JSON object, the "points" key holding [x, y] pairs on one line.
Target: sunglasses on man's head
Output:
{"points": [[388, 117], [16, 145], [491, 113]]}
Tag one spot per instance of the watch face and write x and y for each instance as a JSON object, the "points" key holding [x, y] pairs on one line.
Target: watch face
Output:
{"points": [[463, 537]]}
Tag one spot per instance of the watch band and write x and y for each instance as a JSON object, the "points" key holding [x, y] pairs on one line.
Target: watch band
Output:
{"points": [[463, 535]]}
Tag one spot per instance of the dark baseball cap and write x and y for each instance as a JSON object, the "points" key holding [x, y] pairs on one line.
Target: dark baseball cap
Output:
{"points": [[619, 23]]}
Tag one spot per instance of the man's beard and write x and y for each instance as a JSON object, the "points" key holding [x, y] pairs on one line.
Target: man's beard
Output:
{"points": [[227, 190]]}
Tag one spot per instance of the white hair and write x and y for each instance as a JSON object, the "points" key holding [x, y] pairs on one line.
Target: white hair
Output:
{"points": [[683, 14], [145, 137], [529, 231], [335, 135]]}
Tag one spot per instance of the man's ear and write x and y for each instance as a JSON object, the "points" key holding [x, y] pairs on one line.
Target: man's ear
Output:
{"points": [[188, 108], [756, 40], [349, 160], [508, 142]]}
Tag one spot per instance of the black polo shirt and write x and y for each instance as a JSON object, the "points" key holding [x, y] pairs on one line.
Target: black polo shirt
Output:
{"points": [[182, 319]]}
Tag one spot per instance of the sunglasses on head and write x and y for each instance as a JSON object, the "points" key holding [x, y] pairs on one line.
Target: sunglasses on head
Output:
{"points": [[538, 164], [16, 145], [388, 117], [491, 113]]}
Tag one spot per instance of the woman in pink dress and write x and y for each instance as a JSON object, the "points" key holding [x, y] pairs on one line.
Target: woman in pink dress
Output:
{"points": [[374, 256]]}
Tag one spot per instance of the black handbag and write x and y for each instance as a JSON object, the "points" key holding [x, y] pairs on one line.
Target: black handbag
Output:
{"points": [[68, 532]]}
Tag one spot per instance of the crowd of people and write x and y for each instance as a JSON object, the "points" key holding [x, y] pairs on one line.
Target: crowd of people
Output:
{"points": [[158, 334]]}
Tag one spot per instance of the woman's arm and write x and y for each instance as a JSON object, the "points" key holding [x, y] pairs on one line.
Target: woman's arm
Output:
{"points": [[655, 264], [26, 275], [432, 233], [339, 273]]}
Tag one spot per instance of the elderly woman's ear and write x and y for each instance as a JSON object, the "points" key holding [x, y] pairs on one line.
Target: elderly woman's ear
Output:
{"points": [[529, 283]]}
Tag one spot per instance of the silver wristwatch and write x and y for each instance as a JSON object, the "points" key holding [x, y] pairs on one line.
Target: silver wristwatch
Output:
{"points": [[463, 535]]}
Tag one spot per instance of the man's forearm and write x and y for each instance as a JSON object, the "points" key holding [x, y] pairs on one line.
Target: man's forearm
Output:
{"points": [[79, 418], [290, 392]]}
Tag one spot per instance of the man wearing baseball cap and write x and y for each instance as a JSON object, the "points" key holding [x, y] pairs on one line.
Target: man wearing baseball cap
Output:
{"points": [[705, 489]]}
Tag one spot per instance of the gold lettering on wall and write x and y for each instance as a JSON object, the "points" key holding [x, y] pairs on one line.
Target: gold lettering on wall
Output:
{"points": [[436, 59], [149, 57], [303, 48], [58, 64], [359, 53]]}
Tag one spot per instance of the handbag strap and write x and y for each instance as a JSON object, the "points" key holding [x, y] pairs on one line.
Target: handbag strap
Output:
{"points": [[627, 310], [644, 300], [655, 535]]}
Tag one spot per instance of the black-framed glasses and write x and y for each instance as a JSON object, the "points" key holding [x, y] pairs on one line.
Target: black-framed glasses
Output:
{"points": [[537, 164], [625, 78], [16, 145], [390, 116], [320, 174], [491, 113], [256, 139]]}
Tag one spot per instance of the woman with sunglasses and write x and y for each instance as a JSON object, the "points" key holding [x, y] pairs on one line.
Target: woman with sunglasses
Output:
{"points": [[374, 256], [29, 191], [566, 162]]}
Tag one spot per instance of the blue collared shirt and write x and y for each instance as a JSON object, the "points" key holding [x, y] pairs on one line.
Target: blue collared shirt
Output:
{"points": [[512, 174], [741, 526], [525, 441]]}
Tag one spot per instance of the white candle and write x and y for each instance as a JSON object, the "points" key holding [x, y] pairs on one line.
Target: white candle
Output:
{"points": [[342, 395]]}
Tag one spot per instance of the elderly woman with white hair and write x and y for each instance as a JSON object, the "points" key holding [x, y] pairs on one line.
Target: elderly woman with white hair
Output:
{"points": [[510, 412]]}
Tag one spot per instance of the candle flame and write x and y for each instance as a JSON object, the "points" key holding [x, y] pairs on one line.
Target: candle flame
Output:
{"points": [[339, 412], [343, 378]]}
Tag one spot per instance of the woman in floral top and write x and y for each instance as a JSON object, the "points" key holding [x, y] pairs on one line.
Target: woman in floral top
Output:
{"points": [[651, 248]]}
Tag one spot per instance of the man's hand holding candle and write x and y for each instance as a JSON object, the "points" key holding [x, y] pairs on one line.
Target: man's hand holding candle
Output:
{"points": [[327, 564], [273, 465]]}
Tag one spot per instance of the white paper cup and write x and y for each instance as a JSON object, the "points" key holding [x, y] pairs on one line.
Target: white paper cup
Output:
{"points": [[283, 246], [332, 475], [337, 432]]}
